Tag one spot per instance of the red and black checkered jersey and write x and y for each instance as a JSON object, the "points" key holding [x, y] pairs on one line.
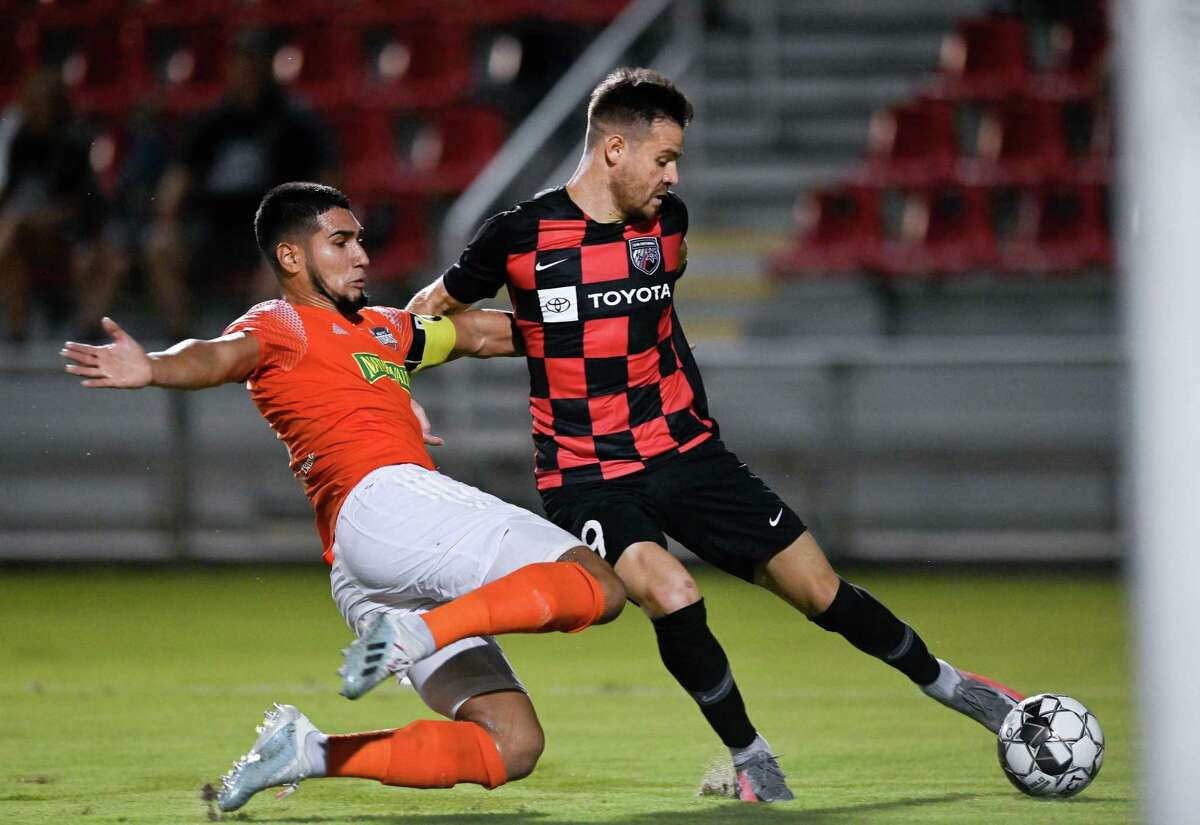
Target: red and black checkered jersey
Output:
{"points": [[613, 386]]}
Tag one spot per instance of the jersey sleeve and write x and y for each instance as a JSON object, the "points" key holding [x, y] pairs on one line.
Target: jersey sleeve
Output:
{"points": [[433, 340], [483, 266], [280, 334]]}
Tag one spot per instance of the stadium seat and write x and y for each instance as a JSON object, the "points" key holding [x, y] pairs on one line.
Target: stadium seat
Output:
{"points": [[395, 233], [106, 154], [1021, 142], [838, 231], [985, 58], [101, 64], [946, 229], [419, 64], [914, 144], [369, 155], [1061, 227], [74, 12], [311, 60], [187, 62], [1095, 166], [18, 54], [411, 151], [1080, 49]]}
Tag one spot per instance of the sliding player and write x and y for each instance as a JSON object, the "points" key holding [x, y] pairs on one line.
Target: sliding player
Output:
{"points": [[424, 569]]}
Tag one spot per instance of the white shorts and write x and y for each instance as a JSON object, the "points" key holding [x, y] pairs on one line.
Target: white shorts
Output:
{"points": [[408, 539]]}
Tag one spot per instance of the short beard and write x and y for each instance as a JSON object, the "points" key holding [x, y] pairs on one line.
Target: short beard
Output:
{"points": [[346, 306]]}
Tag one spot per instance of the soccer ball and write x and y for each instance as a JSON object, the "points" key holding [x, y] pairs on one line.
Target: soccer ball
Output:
{"points": [[1050, 745]]}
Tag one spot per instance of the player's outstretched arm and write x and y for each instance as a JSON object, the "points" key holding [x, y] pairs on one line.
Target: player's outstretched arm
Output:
{"points": [[189, 365], [484, 333], [435, 300]]}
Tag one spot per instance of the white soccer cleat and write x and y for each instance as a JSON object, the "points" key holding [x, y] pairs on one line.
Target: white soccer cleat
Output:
{"points": [[277, 758], [386, 646]]}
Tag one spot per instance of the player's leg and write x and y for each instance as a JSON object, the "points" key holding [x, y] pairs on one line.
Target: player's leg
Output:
{"points": [[616, 521], [491, 734], [491, 567], [802, 576]]}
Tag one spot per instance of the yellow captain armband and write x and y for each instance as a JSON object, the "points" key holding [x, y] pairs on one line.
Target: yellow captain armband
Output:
{"points": [[440, 337]]}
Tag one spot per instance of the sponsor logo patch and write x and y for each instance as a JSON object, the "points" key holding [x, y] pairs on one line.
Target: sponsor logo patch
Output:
{"points": [[373, 368], [558, 305], [646, 254]]}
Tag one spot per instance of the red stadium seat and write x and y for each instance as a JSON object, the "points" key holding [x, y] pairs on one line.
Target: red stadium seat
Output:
{"points": [[396, 235], [1077, 69], [369, 155], [423, 64], [985, 58], [404, 152], [839, 230], [1021, 142], [1061, 227], [187, 62], [101, 64], [946, 229], [312, 60], [110, 145], [75, 12], [914, 144], [18, 55]]}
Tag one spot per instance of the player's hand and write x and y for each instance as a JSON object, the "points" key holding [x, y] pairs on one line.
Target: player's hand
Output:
{"points": [[426, 428], [122, 364]]}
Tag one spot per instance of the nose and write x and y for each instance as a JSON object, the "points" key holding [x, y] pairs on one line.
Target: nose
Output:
{"points": [[362, 259], [671, 174]]}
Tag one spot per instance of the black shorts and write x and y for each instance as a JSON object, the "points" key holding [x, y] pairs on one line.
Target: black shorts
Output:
{"points": [[706, 499]]}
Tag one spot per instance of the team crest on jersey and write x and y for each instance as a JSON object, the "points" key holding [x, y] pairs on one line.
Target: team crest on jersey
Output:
{"points": [[384, 336], [646, 254]]}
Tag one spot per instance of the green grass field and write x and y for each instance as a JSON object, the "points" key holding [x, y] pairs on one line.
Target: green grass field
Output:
{"points": [[123, 691]]}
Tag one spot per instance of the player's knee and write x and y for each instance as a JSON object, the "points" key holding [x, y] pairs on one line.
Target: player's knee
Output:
{"points": [[610, 584], [520, 749], [670, 592]]}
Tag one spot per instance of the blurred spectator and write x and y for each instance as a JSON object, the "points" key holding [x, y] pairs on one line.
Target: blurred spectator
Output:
{"points": [[48, 196], [201, 243]]}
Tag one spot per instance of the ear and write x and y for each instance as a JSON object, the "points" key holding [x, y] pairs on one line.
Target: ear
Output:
{"points": [[615, 149], [290, 257]]}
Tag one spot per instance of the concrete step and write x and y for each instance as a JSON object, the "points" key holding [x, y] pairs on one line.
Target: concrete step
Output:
{"points": [[828, 54]]}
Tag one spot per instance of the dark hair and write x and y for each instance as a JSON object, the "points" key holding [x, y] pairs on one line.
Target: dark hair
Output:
{"points": [[637, 96], [292, 208]]}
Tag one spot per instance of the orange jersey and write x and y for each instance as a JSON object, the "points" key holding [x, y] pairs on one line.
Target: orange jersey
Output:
{"points": [[337, 392]]}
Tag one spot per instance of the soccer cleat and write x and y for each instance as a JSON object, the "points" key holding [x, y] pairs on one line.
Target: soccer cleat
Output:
{"points": [[982, 699], [277, 758], [385, 647], [761, 780]]}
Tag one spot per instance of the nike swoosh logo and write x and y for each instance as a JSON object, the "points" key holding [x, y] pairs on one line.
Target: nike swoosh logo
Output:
{"points": [[540, 267], [778, 516]]}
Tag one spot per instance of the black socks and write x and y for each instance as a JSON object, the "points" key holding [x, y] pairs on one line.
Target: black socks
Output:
{"points": [[695, 658], [873, 629]]}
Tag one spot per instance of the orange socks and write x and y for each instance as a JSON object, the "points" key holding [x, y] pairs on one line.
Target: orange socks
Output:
{"points": [[537, 598], [425, 754]]}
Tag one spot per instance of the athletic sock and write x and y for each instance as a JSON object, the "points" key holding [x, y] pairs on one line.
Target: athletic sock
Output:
{"points": [[944, 685], [743, 755], [425, 754], [873, 629], [537, 598], [695, 658], [316, 746]]}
